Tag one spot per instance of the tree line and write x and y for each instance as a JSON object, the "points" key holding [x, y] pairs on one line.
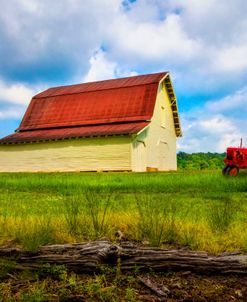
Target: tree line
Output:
{"points": [[200, 161]]}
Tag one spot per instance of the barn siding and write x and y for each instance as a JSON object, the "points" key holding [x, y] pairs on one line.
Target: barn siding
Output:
{"points": [[161, 138], [88, 154], [139, 153]]}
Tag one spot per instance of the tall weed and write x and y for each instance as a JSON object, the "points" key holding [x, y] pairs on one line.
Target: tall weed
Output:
{"points": [[222, 213], [173, 213], [35, 233], [73, 209], [153, 216], [97, 205]]}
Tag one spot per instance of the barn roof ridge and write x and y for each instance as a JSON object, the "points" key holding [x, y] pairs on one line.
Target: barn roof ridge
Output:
{"points": [[103, 83], [95, 90]]}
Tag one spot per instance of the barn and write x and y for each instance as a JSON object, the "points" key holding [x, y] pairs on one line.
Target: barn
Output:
{"points": [[126, 124]]}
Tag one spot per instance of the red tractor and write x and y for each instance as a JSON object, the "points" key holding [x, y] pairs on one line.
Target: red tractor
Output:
{"points": [[236, 158]]}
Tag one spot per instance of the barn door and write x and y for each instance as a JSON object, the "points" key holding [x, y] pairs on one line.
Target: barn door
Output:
{"points": [[141, 156], [163, 156]]}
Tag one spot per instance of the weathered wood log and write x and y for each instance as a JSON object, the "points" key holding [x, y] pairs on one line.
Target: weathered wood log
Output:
{"points": [[89, 257], [83, 258], [180, 260]]}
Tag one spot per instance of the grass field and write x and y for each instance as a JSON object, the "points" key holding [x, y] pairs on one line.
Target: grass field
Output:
{"points": [[201, 210]]}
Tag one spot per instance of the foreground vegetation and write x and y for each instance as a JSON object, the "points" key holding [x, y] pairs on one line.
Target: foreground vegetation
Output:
{"points": [[203, 211], [110, 285]]}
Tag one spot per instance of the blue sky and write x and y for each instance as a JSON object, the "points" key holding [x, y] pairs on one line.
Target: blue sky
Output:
{"points": [[202, 43]]}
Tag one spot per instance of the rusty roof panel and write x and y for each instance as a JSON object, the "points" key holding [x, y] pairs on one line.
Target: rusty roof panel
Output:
{"points": [[73, 132], [135, 103]]}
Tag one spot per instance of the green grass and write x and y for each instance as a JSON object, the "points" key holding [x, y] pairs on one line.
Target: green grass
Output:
{"points": [[201, 210]]}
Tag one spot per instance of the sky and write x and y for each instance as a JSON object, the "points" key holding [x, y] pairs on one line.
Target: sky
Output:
{"points": [[202, 43]]}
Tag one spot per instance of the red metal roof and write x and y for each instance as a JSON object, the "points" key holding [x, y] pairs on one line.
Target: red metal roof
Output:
{"points": [[118, 100], [89, 108], [73, 132]]}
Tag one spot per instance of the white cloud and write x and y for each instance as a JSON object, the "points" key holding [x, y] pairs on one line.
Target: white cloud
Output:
{"points": [[162, 40], [16, 93], [12, 113], [216, 125], [203, 42], [52, 34], [14, 99], [235, 103], [233, 58], [210, 133], [213, 21], [101, 68]]}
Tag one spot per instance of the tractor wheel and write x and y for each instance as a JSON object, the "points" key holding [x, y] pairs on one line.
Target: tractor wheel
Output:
{"points": [[232, 171], [225, 169]]}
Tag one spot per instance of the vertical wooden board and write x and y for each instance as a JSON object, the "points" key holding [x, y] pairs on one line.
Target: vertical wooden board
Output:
{"points": [[163, 156], [88, 154], [139, 153]]}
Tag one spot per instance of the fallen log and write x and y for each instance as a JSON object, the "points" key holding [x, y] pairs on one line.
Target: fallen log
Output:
{"points": [[81, 258], [158, 259], [90, 257]]}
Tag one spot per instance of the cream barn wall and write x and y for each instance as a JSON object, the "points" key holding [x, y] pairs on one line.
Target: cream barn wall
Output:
{"points": [[155, 147], [161, 138], [139, 152], [86, 154]]}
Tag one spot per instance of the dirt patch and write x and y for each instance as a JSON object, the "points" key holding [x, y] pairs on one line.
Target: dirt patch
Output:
{"points": [[110, 285]]}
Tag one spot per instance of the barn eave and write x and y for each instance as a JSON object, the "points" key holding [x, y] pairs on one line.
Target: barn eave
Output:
{"points": [[167, 84], [63, 139]]}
